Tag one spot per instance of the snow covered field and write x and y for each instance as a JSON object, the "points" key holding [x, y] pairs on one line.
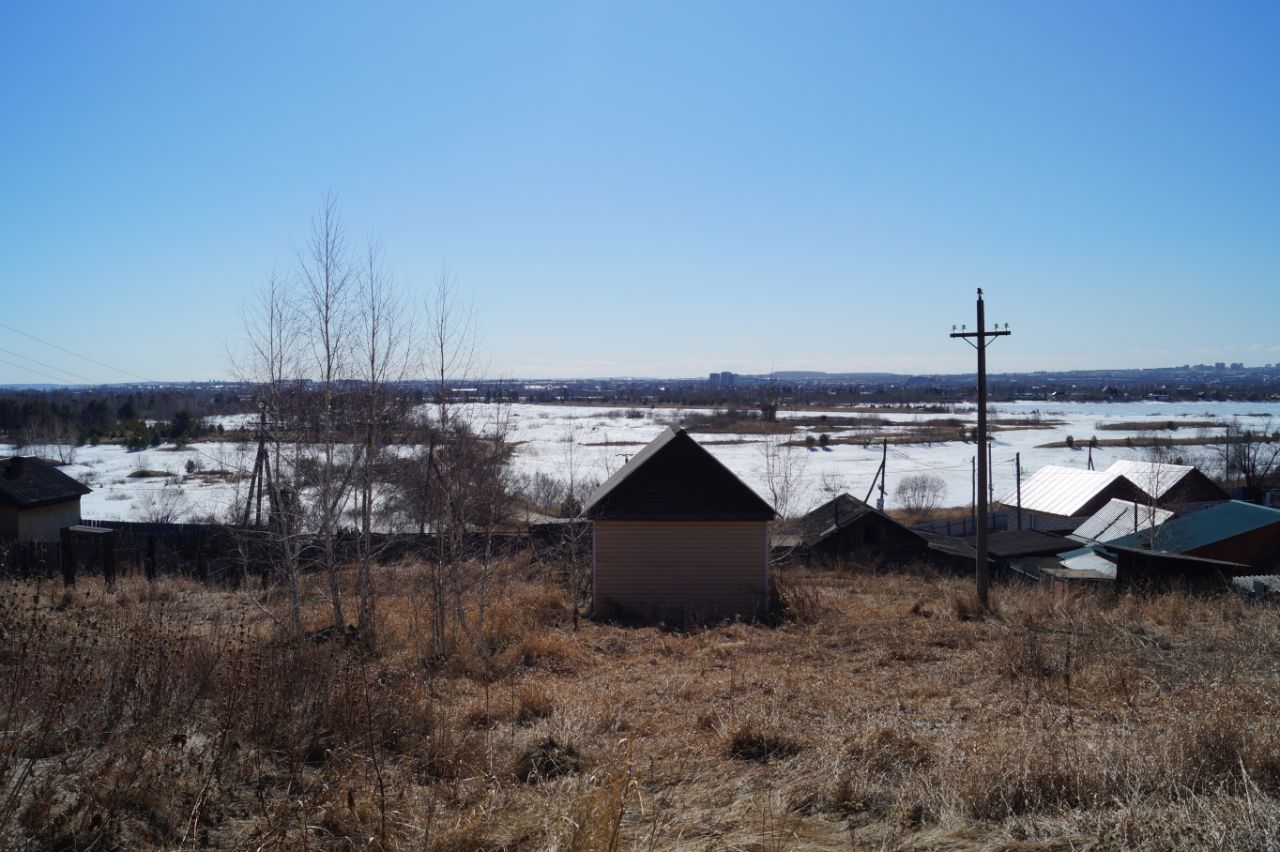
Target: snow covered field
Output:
{"points": [[192, 482], [851, 467]]}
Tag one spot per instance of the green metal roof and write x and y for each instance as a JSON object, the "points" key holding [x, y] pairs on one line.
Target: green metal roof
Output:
{"points": [[1185, 533]]}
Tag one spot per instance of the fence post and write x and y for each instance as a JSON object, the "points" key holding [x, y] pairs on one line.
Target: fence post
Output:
{"points": [[68, 557], [151, 558], [109, 560]]}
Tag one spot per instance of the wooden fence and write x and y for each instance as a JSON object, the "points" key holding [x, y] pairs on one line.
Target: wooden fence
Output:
{"points": [[231, 555]]}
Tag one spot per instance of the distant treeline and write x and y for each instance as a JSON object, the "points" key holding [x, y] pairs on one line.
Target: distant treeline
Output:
{"points": [[136, 418]]}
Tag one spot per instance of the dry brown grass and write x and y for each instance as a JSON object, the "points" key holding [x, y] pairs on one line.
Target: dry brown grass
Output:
{"points": [[883, 713]]}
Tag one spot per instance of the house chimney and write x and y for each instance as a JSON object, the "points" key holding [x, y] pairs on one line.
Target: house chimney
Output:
{"points": [[14, 470]]}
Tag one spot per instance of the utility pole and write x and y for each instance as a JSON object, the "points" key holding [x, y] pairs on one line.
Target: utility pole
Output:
{"points": [[991, 474], [983, 339], [880, 472], [1017, 475], [884, 471]]}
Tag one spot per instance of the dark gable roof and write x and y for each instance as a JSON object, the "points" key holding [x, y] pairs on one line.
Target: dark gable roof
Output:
{"points": [[27, 482], [1010, 544], [673, 478], [833, 516]]}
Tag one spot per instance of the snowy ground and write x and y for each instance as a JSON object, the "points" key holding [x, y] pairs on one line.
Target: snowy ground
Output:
{"points": [[852, 467], [594, 441]]}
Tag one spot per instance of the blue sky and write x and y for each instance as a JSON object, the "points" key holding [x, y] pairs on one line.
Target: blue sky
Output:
{"points": [[652, 188]]}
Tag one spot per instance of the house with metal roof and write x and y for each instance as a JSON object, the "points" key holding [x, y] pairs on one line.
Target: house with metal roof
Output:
{"points": [[1169, 484], [1234, 531], [1206, 548], [36, 500], [1120, 518], [678, 537], [1055, 492]]}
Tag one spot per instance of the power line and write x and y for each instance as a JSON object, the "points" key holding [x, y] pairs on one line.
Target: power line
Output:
{"points": [[43, 364], [37, 372], [76, 354]]}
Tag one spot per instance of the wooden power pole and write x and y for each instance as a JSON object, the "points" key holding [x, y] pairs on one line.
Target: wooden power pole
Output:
{"points": [[980, 340]]}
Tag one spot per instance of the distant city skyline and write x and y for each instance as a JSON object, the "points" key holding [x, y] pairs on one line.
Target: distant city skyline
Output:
{"points": [[660, 189]]}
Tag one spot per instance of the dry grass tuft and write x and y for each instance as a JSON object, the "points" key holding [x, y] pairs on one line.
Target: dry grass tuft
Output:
{"points": [[794, 599], [965, 605], [760, 741], [890, 750], [546, 760], [533, 703]]}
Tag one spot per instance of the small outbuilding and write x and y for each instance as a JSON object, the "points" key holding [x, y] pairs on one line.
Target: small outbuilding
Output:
{"points": [[846, 526], [677, 537], [36, 500]]}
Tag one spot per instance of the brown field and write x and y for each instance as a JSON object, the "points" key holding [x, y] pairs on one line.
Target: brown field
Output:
{"points": [[1165, 426], [882, 713], [1149, 440]]}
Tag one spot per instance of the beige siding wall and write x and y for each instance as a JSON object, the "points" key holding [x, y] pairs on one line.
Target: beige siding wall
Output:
{"points": [[672, 569], [43, 523]]}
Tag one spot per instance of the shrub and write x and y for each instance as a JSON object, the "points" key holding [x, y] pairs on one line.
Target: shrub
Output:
{"points": [[921, 493]]}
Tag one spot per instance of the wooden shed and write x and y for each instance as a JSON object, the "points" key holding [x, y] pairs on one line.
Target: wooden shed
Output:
{"points": [[678, 537], [846, 526], [36, 500]]}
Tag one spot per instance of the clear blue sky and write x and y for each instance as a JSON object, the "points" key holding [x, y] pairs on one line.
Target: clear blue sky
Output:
{"points": [[654, 188]]}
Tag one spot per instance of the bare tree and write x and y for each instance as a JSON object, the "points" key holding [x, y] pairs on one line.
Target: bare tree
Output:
{"points": [[577, 490], [1251, 457], [783, 472], [54, 440], [921, 493], [382, 366], [271, 362], [163, 505], [448, 470], [327, 281], [1158, 480], [451, 344]]}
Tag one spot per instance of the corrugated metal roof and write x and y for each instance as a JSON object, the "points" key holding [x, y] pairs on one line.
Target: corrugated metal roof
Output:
{"points": [[1077, 574], [1185, 533], [1252, 583], [1155, 478], [1088, 559], [1118, 518], [1057, 490]]}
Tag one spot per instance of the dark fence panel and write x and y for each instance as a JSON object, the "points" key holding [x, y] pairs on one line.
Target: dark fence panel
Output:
{"points": [[229, 555]]}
